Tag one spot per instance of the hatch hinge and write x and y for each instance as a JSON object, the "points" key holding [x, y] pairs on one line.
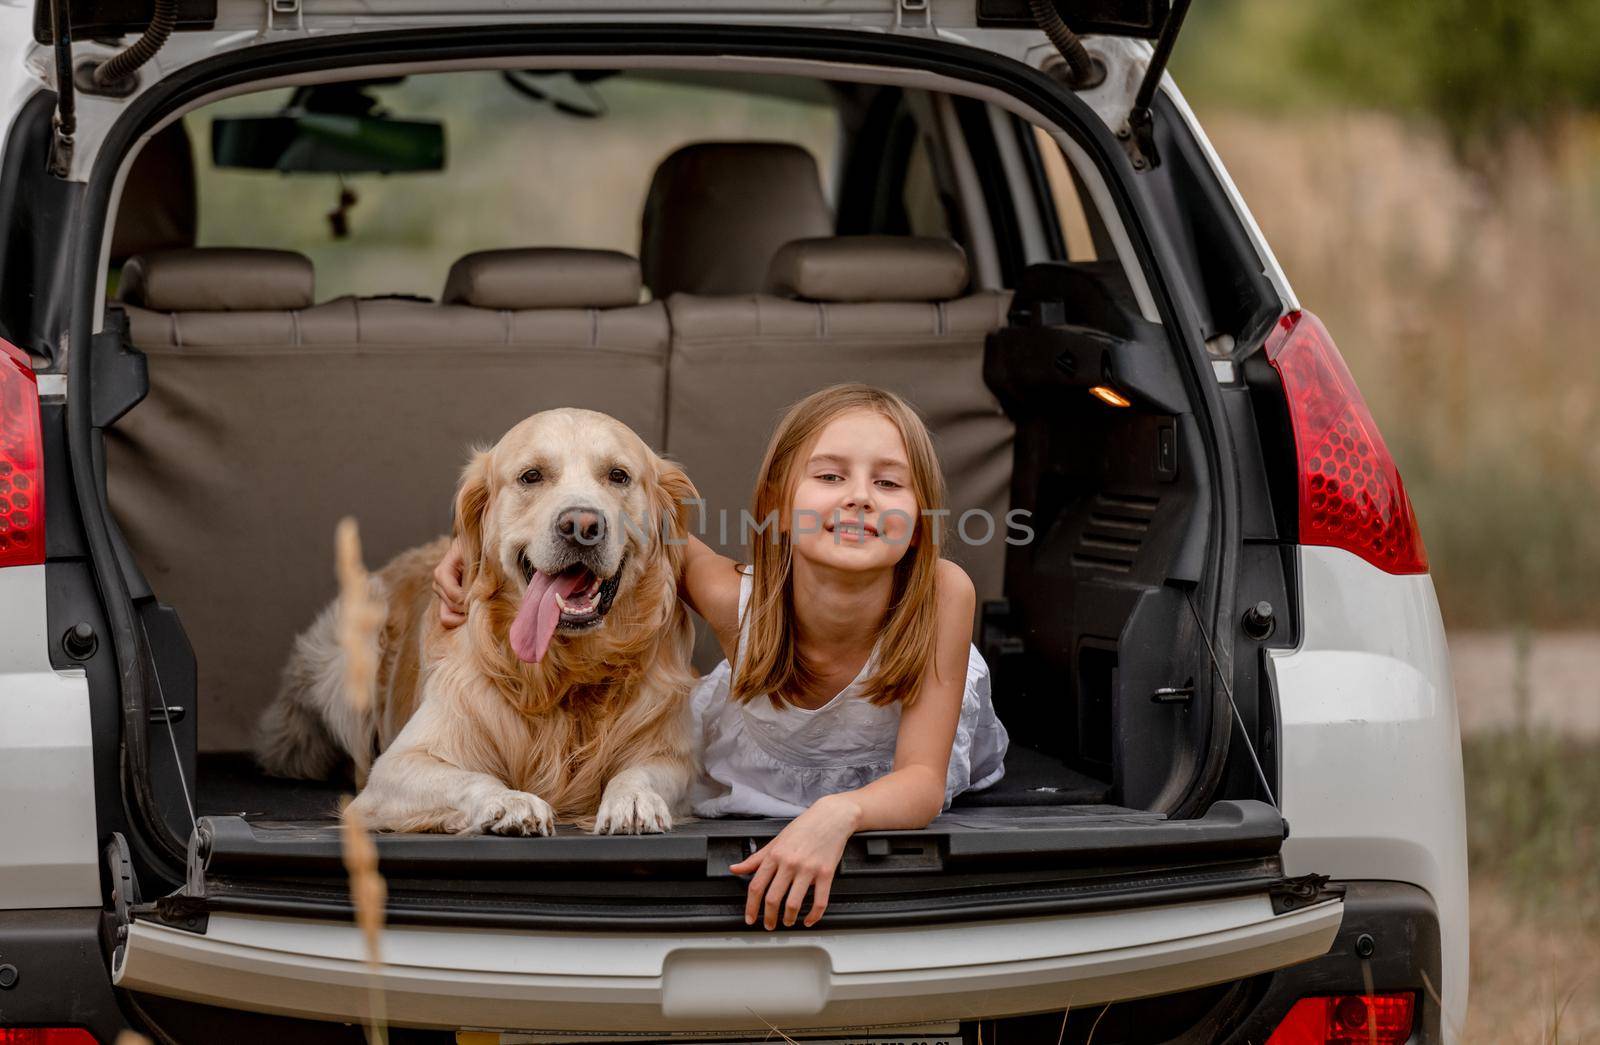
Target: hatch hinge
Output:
{"points": [[1138, 134], [1294, 894], [185, 913], [913, 14], [197, 860], [185, 909]]}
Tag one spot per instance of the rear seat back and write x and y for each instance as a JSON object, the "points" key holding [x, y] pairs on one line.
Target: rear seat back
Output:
{"points": [[886, 311], [269, 418], [718, 211]]}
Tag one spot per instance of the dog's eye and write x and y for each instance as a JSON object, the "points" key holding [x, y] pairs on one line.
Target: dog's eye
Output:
{"points": [[619, 477], [529, 477]]}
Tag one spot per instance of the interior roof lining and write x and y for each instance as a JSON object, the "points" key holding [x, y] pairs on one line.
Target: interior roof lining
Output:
{"points": [[825, 70]]}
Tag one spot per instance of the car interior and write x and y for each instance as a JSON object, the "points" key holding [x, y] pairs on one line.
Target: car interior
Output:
{"points": [[925, 261]]}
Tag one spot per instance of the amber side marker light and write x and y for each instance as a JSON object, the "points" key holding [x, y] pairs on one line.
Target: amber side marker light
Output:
{"points": [[1348, 1019], [1108, 396]]}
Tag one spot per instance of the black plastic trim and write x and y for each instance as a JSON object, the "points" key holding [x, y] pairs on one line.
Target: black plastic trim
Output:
{"points": [[102, 19], [40, 211], [719, 906], [1141, 18], [960, 868], [61, 978], [232, 846]]}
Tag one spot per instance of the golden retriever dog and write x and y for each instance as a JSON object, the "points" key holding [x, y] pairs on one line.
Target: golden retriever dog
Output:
{"points": [[563, 696]]}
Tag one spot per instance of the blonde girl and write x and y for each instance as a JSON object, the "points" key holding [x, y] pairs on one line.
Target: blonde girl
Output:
{"points": [[852, 698]]}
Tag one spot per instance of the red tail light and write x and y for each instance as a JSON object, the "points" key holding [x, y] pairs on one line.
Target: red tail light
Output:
{"points": [[1350, 491], [21, 463], [1347, 1019], [45, 1035]]}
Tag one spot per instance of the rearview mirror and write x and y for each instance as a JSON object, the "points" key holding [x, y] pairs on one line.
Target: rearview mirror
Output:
{"points": [[329, 130]]}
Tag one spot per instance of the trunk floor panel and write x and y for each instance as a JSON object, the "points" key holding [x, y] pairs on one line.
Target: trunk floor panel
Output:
{"points": [[230, 784]]}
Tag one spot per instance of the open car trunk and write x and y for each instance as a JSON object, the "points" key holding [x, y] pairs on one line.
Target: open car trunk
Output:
{"points": [[1099, 672], [1116, 858]]}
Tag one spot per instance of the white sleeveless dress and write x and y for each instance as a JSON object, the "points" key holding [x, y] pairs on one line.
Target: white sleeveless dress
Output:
{"points": [[760, 760]]}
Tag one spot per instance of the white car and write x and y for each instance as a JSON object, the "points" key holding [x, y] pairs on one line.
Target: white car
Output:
{"points": [[1233, 806]]}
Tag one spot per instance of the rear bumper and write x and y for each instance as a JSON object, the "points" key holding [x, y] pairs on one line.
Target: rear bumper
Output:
{"points": [[1401, 924], [1371, 751], [718, 981]]}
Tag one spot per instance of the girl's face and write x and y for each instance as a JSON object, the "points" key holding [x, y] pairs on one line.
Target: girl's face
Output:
{"points": [[853, 505]]}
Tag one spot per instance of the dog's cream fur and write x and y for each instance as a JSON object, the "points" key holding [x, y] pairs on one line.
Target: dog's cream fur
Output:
{"points": [[473, 739]]}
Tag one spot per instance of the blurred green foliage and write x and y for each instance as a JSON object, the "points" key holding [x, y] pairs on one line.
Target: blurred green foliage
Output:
{"points": [[1480, 68]]}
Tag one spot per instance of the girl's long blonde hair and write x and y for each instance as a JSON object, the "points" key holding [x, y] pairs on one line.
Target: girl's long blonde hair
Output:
{"points": [[771, 662]]}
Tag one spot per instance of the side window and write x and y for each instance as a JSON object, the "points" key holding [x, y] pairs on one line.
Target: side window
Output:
{"points": [[924, 205], [1067, 200]]}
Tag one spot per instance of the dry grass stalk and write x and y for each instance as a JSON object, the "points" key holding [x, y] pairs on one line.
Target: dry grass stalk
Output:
{"points": [[368, 893], [1096, 1024], [360, 618], [772, 1028]]}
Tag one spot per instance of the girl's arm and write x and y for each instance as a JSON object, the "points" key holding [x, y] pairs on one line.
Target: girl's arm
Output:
{"points": [[806, 853], [710, 585]]}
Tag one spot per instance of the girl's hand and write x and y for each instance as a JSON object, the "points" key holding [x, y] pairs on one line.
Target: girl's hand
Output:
{"points": [[447, 586], [803, 856]]}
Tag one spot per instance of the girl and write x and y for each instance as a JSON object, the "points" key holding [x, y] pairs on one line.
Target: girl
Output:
{"points": [[851, 698]]}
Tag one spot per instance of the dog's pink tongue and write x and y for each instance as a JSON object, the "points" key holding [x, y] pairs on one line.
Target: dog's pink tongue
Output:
{"points": [[538, 615]]}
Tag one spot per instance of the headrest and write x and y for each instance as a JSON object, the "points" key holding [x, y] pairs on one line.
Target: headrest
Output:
{"points": [[218, 279], [869, 268], [157, 208], [718, 211], [543, 277]]}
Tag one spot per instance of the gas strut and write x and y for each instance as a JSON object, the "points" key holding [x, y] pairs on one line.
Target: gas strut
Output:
{"points": [[114, 76], [1139, 135], [65, 123]]}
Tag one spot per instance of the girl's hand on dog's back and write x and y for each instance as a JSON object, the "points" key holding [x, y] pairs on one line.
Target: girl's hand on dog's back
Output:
{"points": [[447, 586]]}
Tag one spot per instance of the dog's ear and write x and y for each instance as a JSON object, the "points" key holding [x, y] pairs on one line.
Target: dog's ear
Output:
{"points": [[472, 501], [678, 503]]}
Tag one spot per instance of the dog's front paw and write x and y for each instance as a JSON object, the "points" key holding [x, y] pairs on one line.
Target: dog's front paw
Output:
{"points": [[632, 811], [510, 813]]}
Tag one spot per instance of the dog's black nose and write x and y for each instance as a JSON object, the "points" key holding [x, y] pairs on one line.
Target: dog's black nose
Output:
{"points": [[582, 525]]}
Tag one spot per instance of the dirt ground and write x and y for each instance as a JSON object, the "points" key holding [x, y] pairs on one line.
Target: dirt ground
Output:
{"points": [[1535, 974], [1534, 979]]}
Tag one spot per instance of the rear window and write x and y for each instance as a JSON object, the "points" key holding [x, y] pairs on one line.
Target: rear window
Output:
{"points": [[518, 172]]}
